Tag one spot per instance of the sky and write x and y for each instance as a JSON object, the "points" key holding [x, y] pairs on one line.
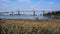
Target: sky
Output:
{"points": [[13, 5]]}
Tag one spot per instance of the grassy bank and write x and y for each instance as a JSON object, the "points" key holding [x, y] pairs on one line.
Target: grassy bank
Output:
{"points": [[27, 26]]}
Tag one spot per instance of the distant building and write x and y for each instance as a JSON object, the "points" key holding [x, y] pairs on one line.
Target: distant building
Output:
{"points": [[4, 13]]}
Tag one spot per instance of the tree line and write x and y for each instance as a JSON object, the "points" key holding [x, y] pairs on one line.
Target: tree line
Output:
{"points": [[56, 13]]}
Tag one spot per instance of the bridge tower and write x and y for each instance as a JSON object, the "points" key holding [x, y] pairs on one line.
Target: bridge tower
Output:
{"points": [[33, 12], [43, 13], [18, 12], [12, 13]]}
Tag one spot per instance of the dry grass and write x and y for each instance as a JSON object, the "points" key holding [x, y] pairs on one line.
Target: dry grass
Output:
{"points": [[26, 26]]}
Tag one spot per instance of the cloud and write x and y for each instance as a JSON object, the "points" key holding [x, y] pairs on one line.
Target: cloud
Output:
{"points": [[3, 5]]}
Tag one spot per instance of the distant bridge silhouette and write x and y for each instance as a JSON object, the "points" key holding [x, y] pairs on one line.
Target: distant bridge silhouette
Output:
{"points": [[34, 12], [19, 12]]}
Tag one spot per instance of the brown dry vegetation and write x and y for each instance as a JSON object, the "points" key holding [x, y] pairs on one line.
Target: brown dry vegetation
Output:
{"points": [[26, 26]]}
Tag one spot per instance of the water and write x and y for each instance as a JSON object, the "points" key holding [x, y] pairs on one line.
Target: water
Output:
{"points": [[23, 17]]}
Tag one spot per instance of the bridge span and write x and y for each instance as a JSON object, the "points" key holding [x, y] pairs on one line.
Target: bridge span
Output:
{"points": [[19, 12]]}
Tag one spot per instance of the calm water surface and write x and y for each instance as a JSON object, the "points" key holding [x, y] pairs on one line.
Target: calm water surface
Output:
{"points": [[23, 17]]}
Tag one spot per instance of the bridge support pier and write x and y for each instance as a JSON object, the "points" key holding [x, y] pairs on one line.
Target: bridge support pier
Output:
{"points": [[12, 13], [18, 12], [33, 13], [43, 13]]}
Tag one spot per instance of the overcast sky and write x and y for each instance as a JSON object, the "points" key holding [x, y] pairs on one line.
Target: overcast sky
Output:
{"points": [[12, 5]]}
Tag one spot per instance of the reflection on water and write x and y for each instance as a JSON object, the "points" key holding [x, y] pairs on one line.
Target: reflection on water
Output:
{"points": [[23, 17]]}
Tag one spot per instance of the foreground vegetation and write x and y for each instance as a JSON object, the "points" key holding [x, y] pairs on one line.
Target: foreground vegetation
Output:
{"points": [[27, 26]]}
